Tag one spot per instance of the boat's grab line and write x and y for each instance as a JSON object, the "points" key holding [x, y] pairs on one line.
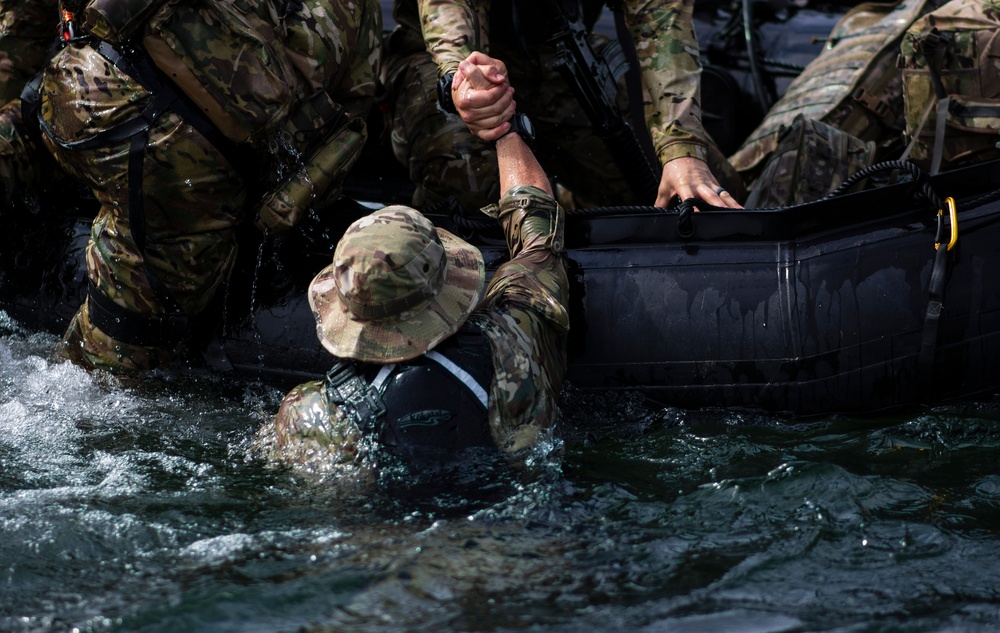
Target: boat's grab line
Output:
{"points": [[685, 209]]}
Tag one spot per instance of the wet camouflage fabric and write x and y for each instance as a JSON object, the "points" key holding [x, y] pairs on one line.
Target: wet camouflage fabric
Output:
{"points": [[396, 288], [310, 432], [27, 29], [321, 45], [811, 160], [436, 146], [853, 85], [525, 316], [969, 70], [314, 78], [193, 198], [336, 50]]}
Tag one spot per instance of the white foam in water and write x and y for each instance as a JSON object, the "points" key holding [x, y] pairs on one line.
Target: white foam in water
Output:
{"points": [[46, 407]]}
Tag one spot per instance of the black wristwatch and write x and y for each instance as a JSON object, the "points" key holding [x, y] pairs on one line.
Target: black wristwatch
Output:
{"points": [[521, 125], [444, 93]]}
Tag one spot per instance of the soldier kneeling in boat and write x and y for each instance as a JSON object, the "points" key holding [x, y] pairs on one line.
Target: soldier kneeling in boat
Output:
{"points": [[427, 362], [186, 119]]}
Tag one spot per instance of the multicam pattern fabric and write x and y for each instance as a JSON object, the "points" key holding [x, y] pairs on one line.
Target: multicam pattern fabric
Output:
{"points": [[444, 158], [441, 156], [959, 44], [396, 288], [811, 160], [27, 29], [193, 198], [525, 316], [853, 85]]}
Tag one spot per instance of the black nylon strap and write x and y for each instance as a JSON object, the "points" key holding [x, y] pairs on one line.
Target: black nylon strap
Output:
{"points": [[122, 132], [137, 222], [633, 83], [979, 110], [932, 317], [131, 327], [356, 398], [137, 65]]}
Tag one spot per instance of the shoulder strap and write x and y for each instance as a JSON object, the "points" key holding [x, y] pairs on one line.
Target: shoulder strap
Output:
{"points": [[358, 400], [463, 377]]}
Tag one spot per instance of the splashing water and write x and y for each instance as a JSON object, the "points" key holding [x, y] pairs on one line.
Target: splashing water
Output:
{"points": [[140, 507]]}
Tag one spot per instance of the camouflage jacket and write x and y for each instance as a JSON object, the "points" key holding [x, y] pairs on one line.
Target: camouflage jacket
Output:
{"points": [[523, 314], [665, 42], [27, 29]]}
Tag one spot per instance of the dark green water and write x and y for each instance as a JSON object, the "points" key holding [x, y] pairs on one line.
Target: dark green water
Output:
{"points": [[139, 508]]}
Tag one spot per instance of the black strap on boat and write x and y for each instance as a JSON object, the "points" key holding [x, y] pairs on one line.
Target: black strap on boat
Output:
{"points": [[932, 318], [936, 290]]}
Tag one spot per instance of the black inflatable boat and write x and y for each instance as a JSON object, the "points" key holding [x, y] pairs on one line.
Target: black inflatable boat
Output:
{"points": [[881, 298]]}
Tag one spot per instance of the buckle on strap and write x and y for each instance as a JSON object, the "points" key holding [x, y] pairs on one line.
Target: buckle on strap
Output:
{"points": [[358, 400]]}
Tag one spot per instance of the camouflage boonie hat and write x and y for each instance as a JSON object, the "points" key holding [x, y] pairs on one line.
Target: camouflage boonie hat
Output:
{"points": [[397, 287]]}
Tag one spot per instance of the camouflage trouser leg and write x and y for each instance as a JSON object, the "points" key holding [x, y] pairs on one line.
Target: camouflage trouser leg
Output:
{"points": [[193, 201], [443, 158]]}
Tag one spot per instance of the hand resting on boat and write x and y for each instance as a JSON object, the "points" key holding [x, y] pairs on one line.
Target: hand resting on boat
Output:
{"points": [[690, 177]]}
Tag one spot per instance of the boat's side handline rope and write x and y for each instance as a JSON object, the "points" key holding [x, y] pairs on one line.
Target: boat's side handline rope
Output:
{"points": [[686, 208]]}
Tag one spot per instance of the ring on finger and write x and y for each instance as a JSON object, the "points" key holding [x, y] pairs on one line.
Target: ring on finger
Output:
{"points": [[720, 191]]}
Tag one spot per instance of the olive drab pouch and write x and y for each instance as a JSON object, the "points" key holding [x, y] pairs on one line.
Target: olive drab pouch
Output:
{"points": [[240, 74], [811, 160], [322, 171], [950, 62], [853, 85]]}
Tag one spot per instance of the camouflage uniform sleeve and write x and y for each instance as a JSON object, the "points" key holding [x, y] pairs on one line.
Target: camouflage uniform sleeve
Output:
{"points": [[309, 430], [453, 29], [27, 28], [665, 42], [526, 319]]}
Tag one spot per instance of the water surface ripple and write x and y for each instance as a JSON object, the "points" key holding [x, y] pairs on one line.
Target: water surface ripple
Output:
{"points": [[139, 507]]}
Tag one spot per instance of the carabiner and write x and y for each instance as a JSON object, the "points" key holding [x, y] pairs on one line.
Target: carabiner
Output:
{"points": [[953, 216]]}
